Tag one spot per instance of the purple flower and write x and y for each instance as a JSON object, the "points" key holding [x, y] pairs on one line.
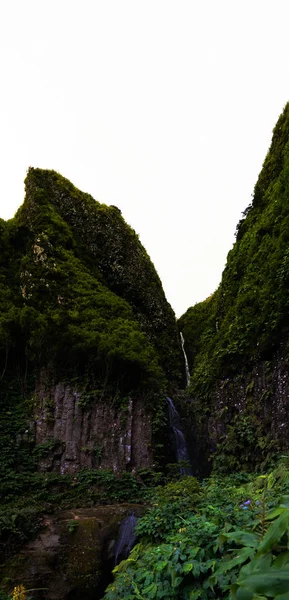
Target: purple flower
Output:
{"points": [[245, 505]]}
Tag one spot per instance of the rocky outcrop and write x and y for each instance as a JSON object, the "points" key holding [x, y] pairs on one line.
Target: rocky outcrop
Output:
{"points": [[72, 556], [261, 395], [243, 420], [99, 435], [81, 300]]}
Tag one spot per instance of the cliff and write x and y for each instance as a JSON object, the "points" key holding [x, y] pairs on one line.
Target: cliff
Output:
{"points": [[88, 342], [237, 340]]}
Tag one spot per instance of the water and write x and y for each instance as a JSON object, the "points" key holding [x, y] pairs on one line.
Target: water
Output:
{"points": [[126, 538], [188, 377], [180, 442]]}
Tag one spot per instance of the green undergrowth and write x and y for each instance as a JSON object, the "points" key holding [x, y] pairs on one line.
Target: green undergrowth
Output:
{"points": [[25, 497], [227, 538]]}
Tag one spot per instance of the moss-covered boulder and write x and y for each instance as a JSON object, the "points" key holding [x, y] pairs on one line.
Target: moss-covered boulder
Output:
{"points": [[72, 556]]}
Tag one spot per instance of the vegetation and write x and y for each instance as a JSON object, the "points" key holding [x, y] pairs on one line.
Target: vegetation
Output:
{"points": [[243, 318], [247, 318], [56, 307], [81, 301], [79, 298], [26, 496], [227, 539], [91, 263]]}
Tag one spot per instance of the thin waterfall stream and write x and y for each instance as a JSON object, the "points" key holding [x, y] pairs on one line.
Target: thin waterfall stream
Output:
{"points": [[126, 538], [188, 377], [180, 442]]}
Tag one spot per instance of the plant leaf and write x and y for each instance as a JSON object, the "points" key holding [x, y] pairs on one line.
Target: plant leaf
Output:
{"points": [[244, 594], [271, 583], [281, 561], [246, 538], [274, 533], [241, 557]]}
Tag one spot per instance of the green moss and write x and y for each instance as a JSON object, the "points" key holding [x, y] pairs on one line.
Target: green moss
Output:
{"points": [[64, 219], [244, 320], [80, 297], [80, 301], [248, 312], [79, 292], [83, 562]]}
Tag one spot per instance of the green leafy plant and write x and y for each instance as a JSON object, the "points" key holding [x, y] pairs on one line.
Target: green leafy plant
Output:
{"points": [[217, 547], [72, 525]]}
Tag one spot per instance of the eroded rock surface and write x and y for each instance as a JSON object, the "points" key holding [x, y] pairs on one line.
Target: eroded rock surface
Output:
{"points": [[99, 435], [72, 555]]}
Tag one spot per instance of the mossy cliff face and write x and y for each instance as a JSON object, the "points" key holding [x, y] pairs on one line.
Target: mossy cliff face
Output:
{"points": [[83, 317], [99, 238], [237, 340]]}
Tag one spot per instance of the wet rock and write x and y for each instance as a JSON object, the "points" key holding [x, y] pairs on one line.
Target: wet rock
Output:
{"points": [[99, 435], [71, 555]]}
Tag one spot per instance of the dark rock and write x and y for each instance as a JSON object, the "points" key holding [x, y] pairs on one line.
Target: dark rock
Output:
{"points": [[71, 553], [99, 435]]}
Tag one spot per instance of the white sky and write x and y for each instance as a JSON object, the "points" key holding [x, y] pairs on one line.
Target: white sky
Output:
{"points": [[162, 108]]}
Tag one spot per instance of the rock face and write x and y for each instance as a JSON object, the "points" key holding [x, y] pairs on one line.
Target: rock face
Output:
{"points": [[82, 303], [100, 435], [73, 555], [237, 340], [264, 393], [247, 419]]}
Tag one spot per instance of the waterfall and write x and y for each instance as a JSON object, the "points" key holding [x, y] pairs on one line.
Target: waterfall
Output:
{"points": [[180, 442], [126, 538], [188, 377]]}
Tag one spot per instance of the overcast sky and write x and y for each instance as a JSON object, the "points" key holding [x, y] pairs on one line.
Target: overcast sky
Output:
{"points": [[162, 108]]}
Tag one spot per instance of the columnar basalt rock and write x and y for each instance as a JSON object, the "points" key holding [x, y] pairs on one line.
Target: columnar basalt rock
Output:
{"points": [[99, 435]]}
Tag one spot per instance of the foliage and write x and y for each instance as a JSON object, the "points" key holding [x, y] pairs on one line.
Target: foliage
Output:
{"points": [[26, 496], [173, 503], [72, 525], [245, 319], [91, 265], [244, 444], [251, 305], [237, 530], [264, 552], [80, 298], [67, 316]]}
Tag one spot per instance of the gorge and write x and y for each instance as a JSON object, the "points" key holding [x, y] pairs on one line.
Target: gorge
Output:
{"points": [[103, 392]]}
